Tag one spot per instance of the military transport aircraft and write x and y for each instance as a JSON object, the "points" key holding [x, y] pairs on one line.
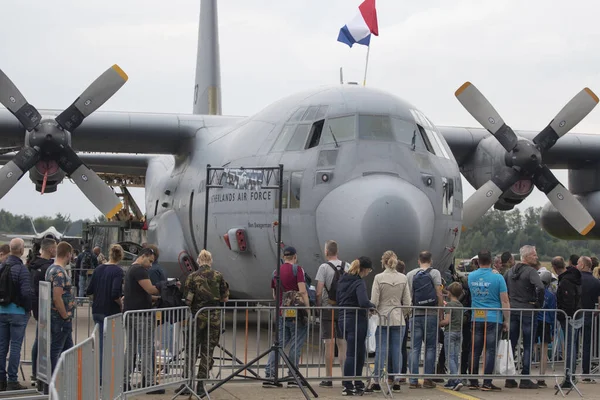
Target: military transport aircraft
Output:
{"points": [[362, 166]]}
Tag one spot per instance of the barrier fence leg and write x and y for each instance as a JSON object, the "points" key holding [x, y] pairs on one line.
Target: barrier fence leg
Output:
{"points": [[300, 380]]}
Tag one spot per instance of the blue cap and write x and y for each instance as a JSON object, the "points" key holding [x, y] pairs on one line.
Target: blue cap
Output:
{"points": [[289, 251]]}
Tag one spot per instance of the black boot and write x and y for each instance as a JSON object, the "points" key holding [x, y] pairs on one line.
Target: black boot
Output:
{"points": [[200, 389]]}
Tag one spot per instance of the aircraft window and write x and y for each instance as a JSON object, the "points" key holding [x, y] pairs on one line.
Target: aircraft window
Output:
{"points": [[405, 132], [327, 158], [322, 111], [448, 196], [375, 127], [342, 127], [285, 194], [436, 137], [295, 184], [425, 139], [299, 138], [315, 134], [284, 137], [297, 116], [311, 113]]}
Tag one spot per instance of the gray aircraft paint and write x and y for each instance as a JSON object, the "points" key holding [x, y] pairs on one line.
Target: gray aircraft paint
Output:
{"points": [[382, 195]]}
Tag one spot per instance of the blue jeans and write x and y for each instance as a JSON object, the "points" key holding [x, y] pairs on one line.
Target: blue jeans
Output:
{"points": [[356, 335], [291, 334], [571, 343], [523, 322], [61, 338], [423, 328], [12, 332], [388, 350], [490, 331], [99, 319], [452, 343], [34, 352], [84, 279]]}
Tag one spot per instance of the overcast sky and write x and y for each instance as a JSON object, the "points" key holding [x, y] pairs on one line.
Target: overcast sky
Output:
{"points": [[529, 58]]}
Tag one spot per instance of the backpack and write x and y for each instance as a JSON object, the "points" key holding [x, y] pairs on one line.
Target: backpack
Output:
{"points": [[312, 293], [293, 298], [86, 260], [424, 293], [332, 291], [8, 289], [171, 296]]}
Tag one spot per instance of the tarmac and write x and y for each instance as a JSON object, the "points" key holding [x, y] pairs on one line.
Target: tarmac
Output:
{"points": [[252, 390]]}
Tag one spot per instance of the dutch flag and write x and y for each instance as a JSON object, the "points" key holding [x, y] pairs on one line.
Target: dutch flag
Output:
{"points": [[360, 28]]}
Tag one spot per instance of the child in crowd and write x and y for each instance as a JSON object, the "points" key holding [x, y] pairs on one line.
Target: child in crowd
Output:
{"points": [[453, 331], [545, 323]]}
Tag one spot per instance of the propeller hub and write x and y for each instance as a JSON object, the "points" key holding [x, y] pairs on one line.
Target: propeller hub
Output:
{"points": [[48, 137], [525, 157]]}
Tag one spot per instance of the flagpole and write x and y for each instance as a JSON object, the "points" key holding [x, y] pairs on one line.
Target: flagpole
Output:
{"points": [[366, 65]]}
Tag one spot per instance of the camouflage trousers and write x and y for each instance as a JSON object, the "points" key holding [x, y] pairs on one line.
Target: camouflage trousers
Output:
{"points": [[206, 338]]}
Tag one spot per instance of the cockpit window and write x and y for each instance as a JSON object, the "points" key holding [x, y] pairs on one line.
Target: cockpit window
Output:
{"points": [[375, 127], [343, 129], [433, 141], [408, 133], [310, 113], [297, 116], [299, 137], [284, 137], [322, 111]]}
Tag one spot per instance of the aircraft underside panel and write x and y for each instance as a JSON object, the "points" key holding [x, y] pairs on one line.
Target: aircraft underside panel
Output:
{"points": [[165, 231]]}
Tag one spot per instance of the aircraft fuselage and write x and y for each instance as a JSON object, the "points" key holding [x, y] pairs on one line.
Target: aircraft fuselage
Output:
{"points": [[361, 167]]}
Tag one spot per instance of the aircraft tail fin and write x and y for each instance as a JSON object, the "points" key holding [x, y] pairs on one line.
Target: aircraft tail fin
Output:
{"points": [[207, 90], [33, 226]]}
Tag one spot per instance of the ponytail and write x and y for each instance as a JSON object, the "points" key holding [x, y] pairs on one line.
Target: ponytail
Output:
{"points": [[354, 268]]}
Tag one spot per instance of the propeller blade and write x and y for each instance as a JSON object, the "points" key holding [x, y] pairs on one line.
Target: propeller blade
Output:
{"points": [[570, 115], [94, 188], [564, 201], [483, 111], [102, 89], [486, 196], [13, 170], [14, 101]]}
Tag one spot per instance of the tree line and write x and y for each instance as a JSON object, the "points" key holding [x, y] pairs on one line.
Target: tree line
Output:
{"points": [[500, 231], [21, 224]]}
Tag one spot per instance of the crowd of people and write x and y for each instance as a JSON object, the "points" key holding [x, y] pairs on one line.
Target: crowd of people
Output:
{"points": [[520, 300], [113, 290]]}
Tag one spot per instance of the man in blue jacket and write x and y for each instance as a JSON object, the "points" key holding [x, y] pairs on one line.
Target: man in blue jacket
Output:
{"points": [[14, 317]]}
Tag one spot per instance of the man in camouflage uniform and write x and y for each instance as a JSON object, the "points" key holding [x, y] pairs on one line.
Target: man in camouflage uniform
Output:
{"points": [[205, 288]]}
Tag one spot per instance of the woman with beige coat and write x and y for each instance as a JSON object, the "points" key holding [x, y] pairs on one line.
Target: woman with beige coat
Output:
{"points": [[390, 292]]}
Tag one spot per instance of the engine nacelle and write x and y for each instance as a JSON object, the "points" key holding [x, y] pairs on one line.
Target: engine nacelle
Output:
{"points": [[55, 176], [487, 161], [554, 223]]}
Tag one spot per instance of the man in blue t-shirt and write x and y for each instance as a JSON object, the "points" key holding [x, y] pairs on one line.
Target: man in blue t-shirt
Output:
{"points": [[488, 291]]}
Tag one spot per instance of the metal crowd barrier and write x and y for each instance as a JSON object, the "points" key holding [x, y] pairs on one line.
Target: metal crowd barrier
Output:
{"points": [[226, 329], [145, 330], [113, 358], [75, 377], [309, 354], [585, 347]]}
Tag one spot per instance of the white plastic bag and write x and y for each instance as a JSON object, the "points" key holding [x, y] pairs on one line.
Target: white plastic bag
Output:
{"points": [[505, 362], [371, 338]]}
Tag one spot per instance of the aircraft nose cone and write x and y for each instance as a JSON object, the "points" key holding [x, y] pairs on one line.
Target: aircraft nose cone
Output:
{"points": [[375, 213]]}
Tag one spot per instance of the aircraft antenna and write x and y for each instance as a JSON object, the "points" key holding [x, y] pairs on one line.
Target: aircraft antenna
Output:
{"points": [[332, 135], [341, 76]]}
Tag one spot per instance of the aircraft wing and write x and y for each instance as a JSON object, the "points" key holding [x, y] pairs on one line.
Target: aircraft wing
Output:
{"points": [[572, 151], [122, 132]]}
